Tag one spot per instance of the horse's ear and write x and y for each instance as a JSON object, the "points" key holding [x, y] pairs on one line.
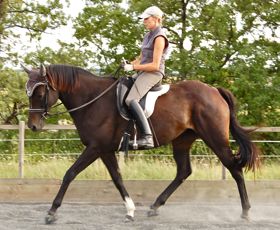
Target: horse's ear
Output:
{"points": [[26, 69], [43, 71]]}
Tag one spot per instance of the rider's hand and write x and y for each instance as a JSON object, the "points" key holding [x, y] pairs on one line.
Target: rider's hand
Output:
{"points": [[128, 67]]}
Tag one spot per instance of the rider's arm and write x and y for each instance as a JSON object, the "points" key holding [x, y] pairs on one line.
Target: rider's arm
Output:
{"points": [[137, 60], [157, 54]]}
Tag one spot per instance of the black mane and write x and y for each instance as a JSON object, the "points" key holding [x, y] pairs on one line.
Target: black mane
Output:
{"points": [[65, 78]]}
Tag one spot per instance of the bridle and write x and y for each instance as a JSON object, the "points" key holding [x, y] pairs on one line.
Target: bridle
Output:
{"points": [[44, 109], [45, 83]]}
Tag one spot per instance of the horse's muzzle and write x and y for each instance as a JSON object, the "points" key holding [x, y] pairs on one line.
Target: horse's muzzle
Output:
{"points": [[35, 126]]}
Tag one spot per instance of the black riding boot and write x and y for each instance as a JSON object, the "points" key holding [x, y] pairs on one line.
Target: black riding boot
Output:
{"points": [[146, 141]]}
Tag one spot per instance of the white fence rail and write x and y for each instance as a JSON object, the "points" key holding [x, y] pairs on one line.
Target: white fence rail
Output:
{"points": [[21, 139]]}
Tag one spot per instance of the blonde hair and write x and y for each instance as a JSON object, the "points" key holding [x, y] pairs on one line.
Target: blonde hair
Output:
{"points": [[159, 18]]}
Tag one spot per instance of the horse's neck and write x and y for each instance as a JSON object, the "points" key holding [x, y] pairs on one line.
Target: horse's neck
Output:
{"points": [[90, 88]]}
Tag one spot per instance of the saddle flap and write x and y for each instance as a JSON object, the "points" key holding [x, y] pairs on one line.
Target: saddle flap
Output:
{"points": [[123, 88]]}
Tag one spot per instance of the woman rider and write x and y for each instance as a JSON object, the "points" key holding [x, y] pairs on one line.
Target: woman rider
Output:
{"points": [[150, 70]]}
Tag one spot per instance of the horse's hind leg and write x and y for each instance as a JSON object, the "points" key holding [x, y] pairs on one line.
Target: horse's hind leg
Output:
{"points": [[181, 147], [84, 160], [111, 163], [219, 143], [237, 174], [228, 160]]}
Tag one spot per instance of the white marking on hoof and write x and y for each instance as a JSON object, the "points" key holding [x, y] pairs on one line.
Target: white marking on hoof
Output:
{"points": [[50, 218], [130, 207]]}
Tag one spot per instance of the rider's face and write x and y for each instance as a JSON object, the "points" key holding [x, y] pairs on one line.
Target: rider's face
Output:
{"points": [[151, 22]]}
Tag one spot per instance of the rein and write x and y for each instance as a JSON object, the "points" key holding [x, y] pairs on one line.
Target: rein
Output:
{"points": [[87, 103]]}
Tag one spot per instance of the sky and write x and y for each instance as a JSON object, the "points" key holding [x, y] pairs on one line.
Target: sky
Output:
{"points": [[49, 39], [64, 33]]}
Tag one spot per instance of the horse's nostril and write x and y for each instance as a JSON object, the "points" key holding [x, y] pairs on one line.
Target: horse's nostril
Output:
{"points": [[34, 128]]}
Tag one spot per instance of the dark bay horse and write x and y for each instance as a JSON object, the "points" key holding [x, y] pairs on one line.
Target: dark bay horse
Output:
{"points": [[190, 110]]}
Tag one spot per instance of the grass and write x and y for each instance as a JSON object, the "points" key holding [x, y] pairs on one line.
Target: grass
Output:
{"points": [[133, 169]]}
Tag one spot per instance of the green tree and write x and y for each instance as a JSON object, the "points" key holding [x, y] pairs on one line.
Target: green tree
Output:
{"points": [[21, 18], [110, 30], [222, 43], [26, 18], [12, 98]]}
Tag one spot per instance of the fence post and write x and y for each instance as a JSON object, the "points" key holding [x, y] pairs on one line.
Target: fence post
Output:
{"points": [[224, 176], [21, 149], [121, 159]]}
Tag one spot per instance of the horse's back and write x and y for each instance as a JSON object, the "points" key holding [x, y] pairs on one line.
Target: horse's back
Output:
{"points": [[187, 105], [196, 93]]}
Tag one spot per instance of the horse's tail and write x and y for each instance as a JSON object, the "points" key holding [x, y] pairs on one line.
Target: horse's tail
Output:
{"points": [[247, 155]]}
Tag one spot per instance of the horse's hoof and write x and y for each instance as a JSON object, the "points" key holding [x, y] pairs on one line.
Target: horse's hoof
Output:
{"points": [[245, 216], [128, 218], [152, 212], [50, 218]]}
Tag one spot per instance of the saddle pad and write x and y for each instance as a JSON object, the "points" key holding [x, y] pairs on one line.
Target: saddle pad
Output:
{"points": [[150, 100]]}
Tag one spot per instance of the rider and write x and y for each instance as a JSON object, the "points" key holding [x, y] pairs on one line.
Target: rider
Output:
{"points": [[150, 70]]}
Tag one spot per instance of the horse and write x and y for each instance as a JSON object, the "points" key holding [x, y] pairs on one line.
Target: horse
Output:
{"points": [[189, 110]]}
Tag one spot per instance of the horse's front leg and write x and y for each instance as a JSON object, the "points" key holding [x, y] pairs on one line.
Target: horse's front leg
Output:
{"points": [[111, 163], [84, 160]]}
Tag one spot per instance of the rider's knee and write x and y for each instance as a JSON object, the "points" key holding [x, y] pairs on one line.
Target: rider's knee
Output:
{"points": [[128, 101]]}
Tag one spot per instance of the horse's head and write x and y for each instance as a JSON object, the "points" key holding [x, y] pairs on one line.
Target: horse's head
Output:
{"points": [[41, 96]]}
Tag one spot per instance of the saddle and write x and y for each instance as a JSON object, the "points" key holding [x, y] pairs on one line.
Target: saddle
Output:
{"points": [[147, 102]]}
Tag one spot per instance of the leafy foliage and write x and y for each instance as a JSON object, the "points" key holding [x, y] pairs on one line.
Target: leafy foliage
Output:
{"points": [[29, 18], [13, 102], [232, 44]]}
